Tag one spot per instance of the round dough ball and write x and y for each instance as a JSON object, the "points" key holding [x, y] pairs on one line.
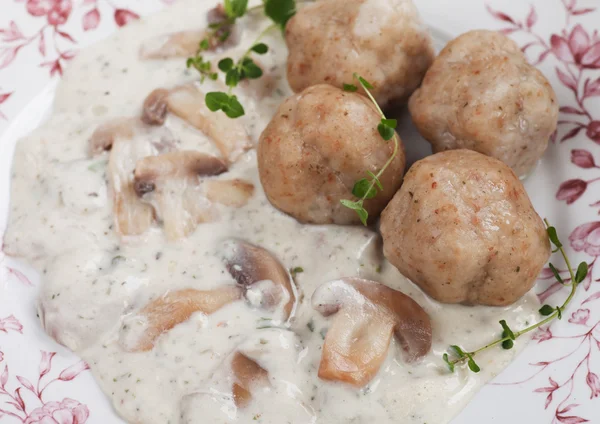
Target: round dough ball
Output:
{"points": [[481, 94], [318, 144], [383, 41], [463, 229]]}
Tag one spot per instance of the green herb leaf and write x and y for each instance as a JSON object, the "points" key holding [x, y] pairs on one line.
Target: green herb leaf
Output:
{"points": [[392, 123], [350, 87], [226, 64], [236, 8], [363, 215], [363, 189], [553, 236], [374, 178], [546, 310], [556, 273], [364, 82], [459, 352], [582, 271], [232, 78], [386, 132], [215, 100], [508, 344], [204, 44], [233, 108], [447, 361], [507, 330], [472, 364], [280, 11], [296, 270], [351, 204], [260, 48], [250, 69]]}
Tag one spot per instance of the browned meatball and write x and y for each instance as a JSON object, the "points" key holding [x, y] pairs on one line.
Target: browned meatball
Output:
{"points": [[481, 94], [382, 40], [314, 149], [463, 229]]}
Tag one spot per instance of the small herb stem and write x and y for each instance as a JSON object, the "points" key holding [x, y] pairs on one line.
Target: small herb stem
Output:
{"points": [[548, 319]]}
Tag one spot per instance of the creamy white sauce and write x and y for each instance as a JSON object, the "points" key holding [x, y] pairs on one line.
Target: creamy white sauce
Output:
{"points": [[61, 220]]}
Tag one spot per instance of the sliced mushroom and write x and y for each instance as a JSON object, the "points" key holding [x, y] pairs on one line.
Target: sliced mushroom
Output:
{"points": [[235, 193], [105, 134], [251, 265], [357, 342], [248, 376], [171, 184], [154, 110], [132, 216], [229, 135], [173, 308]]}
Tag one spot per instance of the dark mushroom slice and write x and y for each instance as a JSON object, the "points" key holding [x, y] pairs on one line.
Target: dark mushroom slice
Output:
{"points": [[164, 313], [228, 135], [367, 315], [171, 184], [154, 110], [248, 376], [250, 264]]}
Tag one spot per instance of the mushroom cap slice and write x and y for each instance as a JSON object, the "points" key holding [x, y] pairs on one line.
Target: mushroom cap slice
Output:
{"points": [[171, 184], [250, 264], [228, 135], [154, 110], [234, 193], [357, 342], [173, 308], [105, 134], [248, 376], [176, 44]]}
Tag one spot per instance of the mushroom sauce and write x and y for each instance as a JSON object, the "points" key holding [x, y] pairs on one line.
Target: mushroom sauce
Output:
{"points": [[99, 286]]}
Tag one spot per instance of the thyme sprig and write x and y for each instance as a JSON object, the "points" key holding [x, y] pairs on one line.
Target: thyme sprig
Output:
{"points": [[508, 337], [367, 188], [279, 11]]}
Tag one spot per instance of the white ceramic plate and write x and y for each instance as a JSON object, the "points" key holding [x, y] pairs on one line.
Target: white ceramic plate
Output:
{"points": [[556, 380]]}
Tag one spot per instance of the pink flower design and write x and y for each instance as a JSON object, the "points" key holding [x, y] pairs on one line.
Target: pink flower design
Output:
{"points": [[593, 131], [10, 323], [582, 158], [578, 47], [586, 238], [571, 190], [593, 381], [542, 335], [124, 16], [1, 356], [3, 97], [56, 11], [580, 317], [68, 411]]}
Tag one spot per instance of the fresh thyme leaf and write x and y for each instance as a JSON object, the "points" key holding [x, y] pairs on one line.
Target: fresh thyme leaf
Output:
{"points": [[226, 64], [250, 69], [374, 178], [556, 273], [235, 8], [581, 273], [447, 361], [472, 364], [350, 87], [507, 330], [546, 310], [204, 44], [363, 215], [459, 352], [233, 108], [508, 344], [351, 204], [296, 270], [392, 123], [280, 11], [260, 48], [386, 132], [365, 83], [215, 100], [232, 78], [364, 189], [554, 237]]}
